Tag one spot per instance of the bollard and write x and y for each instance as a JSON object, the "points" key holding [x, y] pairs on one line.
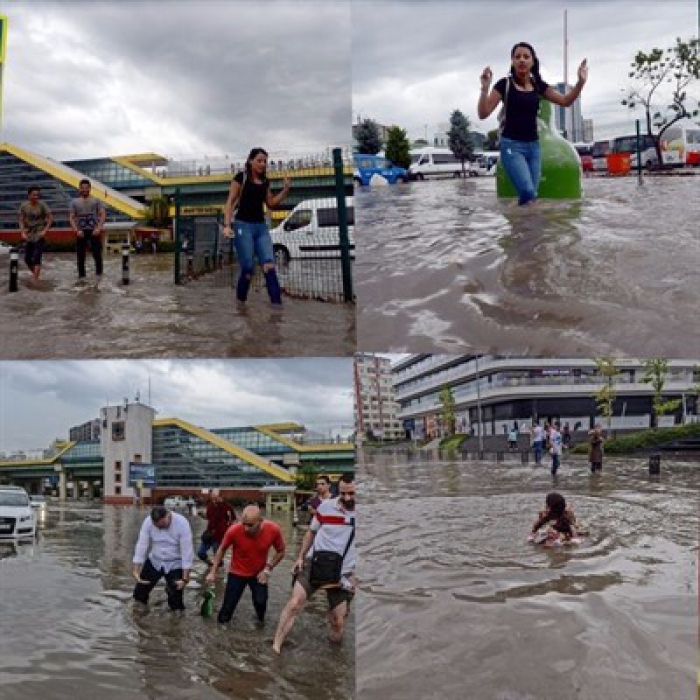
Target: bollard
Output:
{"points": [[221, 260], [654, 464], [125, 263], [206, 261], [525, 457], [190, 265], [480, 455], [14, 269], [499, 456]]}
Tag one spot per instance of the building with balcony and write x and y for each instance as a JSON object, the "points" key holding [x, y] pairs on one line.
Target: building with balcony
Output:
{"points": [[498, 392], [375, 404], [87, 432]]}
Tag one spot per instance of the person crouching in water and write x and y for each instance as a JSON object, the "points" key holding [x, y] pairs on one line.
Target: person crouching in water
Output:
{"points": [[250, 189], [561, 518]]}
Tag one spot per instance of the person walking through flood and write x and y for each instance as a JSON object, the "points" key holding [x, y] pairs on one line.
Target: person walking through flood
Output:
{"points": [[555, 446], [595, 448], [251, 541], [164, 548], [87, 219], [35, 219], [220, 516], [326, 560], [537, 437], [520, 93], [250, 190]]}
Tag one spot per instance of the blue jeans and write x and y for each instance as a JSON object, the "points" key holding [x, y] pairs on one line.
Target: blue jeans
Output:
{"points": [[556, 461], [203, 549], [253, 240], [537, 448], [523, 165], [235, 585]]}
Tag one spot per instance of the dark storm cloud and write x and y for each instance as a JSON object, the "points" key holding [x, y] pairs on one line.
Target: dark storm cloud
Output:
{"points": [[40, 401], [444, 46], [87, 79]]}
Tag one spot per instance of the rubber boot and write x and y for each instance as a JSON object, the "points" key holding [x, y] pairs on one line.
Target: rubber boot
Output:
{"points": [[273, 287]]}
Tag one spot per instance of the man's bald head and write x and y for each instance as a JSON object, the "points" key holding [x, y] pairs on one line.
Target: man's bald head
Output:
{"points": [[251, 519]]}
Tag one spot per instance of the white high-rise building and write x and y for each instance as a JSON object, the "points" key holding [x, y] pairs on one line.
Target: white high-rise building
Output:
{"points": [[376, 408], [569, 119]]}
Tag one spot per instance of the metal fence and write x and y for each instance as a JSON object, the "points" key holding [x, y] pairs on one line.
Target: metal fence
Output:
{"points": [[312, 236]]}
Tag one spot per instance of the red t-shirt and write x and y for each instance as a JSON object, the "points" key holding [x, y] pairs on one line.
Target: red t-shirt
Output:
{"points": [[250, 553]]}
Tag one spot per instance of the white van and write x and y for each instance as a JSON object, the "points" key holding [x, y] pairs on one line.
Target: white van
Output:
{"points": [[17, 519], [311, 231], [437, 162]]}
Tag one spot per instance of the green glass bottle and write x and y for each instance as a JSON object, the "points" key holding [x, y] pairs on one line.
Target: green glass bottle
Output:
{"points": [[207, 609], [561, 166]]}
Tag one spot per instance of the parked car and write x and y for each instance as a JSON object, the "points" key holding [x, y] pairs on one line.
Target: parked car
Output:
{"points": [[39, 502], [17, 519], [5, 248], [367, 165], [179, 502], [311, 231]]}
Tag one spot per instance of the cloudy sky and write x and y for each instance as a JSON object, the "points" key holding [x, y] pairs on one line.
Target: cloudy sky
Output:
{"points": [[178, 77], [414, 63], [40, 401]]}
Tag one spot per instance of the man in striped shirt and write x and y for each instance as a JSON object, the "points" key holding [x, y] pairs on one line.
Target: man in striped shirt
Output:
{"points": [[331, 530], [168, 536]]}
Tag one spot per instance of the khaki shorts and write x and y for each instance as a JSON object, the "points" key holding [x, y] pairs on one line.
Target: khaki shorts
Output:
{"points": [[336, 595]]}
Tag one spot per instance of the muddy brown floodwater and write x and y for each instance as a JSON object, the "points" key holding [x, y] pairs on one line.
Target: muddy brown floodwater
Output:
{"points": [[70, 629], [151, 317], [455, 603], [443, 266]]}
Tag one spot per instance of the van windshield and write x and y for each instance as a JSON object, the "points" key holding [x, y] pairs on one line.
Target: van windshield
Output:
{"points": [[13, 498]]}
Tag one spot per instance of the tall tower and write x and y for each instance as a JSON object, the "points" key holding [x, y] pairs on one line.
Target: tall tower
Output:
{"points": [[127, 436]]}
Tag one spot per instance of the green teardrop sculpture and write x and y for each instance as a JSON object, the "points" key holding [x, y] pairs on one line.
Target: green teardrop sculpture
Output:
{"points": [[561, 166]]}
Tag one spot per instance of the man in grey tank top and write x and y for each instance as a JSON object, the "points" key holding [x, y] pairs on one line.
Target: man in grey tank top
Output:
{"points": [[87, 219]]}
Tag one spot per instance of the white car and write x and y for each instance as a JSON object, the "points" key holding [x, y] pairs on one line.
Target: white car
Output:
{"points": [[17, 519], [311, 231], [179, 502], [4, 248]]}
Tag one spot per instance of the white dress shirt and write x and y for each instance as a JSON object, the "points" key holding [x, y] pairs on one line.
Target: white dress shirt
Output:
{"points": [[171, 547]]}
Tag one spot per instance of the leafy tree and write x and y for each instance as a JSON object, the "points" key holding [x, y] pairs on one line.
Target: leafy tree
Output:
{"points": [[447, 412], [656, 374], [306, 476], [491, 140], [605, 396], [158, 213], [368, 138], [679, 66], [398, 147], [459, 139]]}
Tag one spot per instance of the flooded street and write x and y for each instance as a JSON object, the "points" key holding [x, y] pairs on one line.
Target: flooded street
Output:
{"points": [[443, 266], [69, 623], [448, 578], [151, 317]]}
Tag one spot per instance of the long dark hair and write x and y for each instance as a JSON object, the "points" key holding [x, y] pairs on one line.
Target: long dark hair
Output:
{"points": [[249, 168], [537, 81]]}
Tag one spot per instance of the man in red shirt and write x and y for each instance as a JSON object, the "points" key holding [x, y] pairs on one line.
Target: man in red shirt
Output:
{"points": [[251, 540], [220, 516]]}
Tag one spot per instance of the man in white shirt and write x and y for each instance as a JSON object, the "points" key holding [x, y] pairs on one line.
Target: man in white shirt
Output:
{"points": [[555, 442], [537, 435], [332, 529], [169, 537]]}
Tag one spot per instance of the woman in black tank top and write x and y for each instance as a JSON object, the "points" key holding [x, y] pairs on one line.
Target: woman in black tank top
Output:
{"points": [[520, 93], [250, 191]]}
